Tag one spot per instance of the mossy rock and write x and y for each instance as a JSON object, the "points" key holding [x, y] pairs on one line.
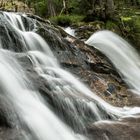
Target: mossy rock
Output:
{"points": [[17, 6]]}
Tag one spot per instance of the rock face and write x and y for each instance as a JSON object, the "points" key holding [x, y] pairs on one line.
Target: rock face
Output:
{"points": [[17, 6], [92, 67], [127, 128], [84, 61]]}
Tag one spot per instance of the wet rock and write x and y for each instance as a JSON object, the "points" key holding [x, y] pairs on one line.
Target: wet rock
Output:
{"points": [[125, 129], [8, 116], [14, 134], [111, 88], [10, 39], [15, 6], [5, 112], [85, 30]]}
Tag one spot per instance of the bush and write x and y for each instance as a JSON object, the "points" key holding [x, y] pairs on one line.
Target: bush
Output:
{"points": [[66, 20], [62, 20], [41, 8]]}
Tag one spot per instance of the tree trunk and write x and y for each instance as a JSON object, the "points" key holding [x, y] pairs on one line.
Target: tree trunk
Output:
{"points": [[101, 4], [51, 9], [109, 8], [65, 7], [1, 4]]}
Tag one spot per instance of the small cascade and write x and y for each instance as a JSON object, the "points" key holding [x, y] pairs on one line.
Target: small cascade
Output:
{"points": [[121, 54], [73, 106], [15, 20], [70, 31], [29, 105]]}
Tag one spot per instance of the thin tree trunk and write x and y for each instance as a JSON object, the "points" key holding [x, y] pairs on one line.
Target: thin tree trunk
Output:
{"points": [[101, 4], [1, 4], [109, 8], [51, 9], [65, 7]]}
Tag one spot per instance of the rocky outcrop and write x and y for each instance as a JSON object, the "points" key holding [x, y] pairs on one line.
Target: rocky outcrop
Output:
{"points": [[125, 129], [93, 68], [15, 6]]}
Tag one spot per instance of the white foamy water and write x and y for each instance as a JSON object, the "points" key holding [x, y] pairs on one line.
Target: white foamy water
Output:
{"points": [[15, 20], [70, 31], [122, 55], [28, 103], [30, 106]]}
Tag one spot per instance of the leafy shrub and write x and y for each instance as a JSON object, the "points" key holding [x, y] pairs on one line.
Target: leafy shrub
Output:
{"points": [[66, 20], [41, 8]]}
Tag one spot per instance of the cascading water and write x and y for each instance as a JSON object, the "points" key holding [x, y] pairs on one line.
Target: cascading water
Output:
{"points": [[28, 103], [70, 31], [76, 105], [61, 82], [37, 116], [122, 55], [15, 20]]}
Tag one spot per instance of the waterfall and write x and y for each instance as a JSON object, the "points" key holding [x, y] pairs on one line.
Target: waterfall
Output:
{"points": [[76, 105], [29, 105], [121, 54], [70, 31], [15, 20]]}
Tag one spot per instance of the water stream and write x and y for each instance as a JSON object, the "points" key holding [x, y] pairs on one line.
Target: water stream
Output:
{"points": [[121, 54], [70, 31], [70, 95]]}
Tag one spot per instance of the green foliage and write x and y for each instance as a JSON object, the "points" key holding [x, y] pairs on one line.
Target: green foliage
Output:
{"points": [[74, 7], [126, 18], [41, 8], [66, 20], [76, 18], [133, 23], [87, 8], [113, 26], [62, 20], [137, 24], [58, 5]]}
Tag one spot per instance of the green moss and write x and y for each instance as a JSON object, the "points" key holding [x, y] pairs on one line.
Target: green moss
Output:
{"points": [[41, 8]]}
